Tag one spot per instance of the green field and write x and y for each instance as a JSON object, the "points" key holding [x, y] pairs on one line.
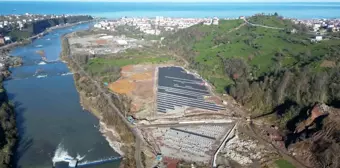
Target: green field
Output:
{"points": [[97, 63], [107, 67], [283, 164]]}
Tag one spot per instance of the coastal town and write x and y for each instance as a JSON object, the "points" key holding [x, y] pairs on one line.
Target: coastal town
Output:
{"points": [[23, 23], [156, 25], [159, 25]]}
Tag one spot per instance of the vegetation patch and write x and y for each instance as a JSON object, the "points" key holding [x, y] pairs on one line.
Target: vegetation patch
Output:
{"points": [[283, 164], [8, 130]]}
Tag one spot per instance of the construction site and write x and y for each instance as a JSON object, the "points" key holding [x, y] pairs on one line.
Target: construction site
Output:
{"points": [[101, 44], [176, 112]]}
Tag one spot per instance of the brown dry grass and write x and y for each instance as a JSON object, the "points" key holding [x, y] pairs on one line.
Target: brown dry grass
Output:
{"points": [[137, 82], [142, 76], [123, 86], [328, 64], [127, 68], [101, 41]]}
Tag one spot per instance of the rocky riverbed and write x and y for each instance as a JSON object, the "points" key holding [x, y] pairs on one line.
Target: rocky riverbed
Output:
{"points": [[7, 61]]}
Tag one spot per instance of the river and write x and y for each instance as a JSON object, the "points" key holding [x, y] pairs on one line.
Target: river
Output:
{"points": [[50, 120]]}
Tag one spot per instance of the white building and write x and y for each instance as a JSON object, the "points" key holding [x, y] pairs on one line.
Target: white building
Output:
{"points": [[97, 25], [316, 27], [121, 42], [318, 38], [7, 38], [215, 21], [208, 22]]}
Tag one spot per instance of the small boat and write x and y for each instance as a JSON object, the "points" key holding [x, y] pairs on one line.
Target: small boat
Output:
{"points": [[42, 63], [41, 76]]}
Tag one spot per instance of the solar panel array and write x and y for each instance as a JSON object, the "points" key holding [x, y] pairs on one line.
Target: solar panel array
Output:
{"points": [[176, 88]]}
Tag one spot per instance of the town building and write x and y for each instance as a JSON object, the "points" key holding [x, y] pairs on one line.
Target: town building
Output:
{"points": [[316, 39], [215, 21], [2, 40], [7, 38]]}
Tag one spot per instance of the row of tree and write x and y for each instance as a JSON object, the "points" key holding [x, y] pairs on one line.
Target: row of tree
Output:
{"points": [[8, 130]]}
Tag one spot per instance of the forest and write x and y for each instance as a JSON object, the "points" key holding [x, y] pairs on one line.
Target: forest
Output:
{"points": [[8, 131]]}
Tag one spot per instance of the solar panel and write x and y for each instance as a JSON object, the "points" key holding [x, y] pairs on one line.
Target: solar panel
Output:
{"points": [[176, 88]]}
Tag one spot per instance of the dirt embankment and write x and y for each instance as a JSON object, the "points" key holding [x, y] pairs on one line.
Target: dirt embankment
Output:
{"points": [[112, 126]]}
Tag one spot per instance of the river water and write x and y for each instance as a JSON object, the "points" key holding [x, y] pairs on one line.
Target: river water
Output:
{"points": [[50, 120]]}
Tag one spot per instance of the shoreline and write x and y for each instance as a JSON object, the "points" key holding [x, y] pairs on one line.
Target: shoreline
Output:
{"points": [[112, 128], [109, 133]]}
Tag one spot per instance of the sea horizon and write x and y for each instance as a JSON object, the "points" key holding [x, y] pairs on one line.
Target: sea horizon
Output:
{"points": [[109, 9]]}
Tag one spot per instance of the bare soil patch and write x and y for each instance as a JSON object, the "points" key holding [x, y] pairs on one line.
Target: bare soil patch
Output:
{"points": [[137, 82]]}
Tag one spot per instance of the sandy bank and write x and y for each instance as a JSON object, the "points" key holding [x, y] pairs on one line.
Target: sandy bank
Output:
{"points": [[112, 137]]}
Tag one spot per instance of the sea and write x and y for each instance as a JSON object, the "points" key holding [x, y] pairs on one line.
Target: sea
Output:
{"points": [[306, 10]]}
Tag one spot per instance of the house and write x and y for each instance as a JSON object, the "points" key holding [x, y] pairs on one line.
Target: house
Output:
{"points": [[318, 38], [7, 38], [215, 21], [293, 31], [2, 40], [242, 17], [97, 26], [208, 22], [316, 27], [335, 29], [330, 26]]}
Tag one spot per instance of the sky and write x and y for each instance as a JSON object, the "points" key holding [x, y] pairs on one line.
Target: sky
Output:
{"points": [[187, 0]]}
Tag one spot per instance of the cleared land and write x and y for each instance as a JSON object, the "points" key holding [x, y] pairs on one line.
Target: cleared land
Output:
{"points": [[191, 143], [137, 82]]}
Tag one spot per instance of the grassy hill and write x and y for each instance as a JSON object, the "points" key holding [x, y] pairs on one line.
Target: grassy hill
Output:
{"points": [[232, 52]]}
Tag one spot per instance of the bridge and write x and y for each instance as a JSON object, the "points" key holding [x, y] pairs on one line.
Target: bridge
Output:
{"points": [[71, 163]]}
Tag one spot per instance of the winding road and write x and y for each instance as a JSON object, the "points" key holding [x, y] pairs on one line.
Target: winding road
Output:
{"points": [[264, 26]]}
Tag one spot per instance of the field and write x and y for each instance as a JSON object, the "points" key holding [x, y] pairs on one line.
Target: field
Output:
{"points": [[283, 164], [97, 63]]}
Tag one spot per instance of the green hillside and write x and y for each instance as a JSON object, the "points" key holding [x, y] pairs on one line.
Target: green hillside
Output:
{"points": [[262, 68]]}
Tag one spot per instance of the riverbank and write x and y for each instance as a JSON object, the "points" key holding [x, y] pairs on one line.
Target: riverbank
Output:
{"points": [[29, 40], [8, 130], [113, 128]]}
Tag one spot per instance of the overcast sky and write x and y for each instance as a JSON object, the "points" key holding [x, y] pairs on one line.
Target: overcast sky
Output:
{"points": [[188, 0]]}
